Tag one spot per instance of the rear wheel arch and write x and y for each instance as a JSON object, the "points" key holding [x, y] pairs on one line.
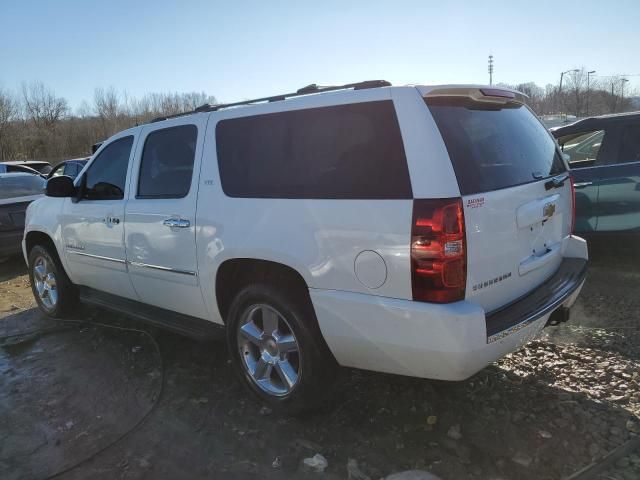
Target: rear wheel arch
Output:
{"points": [[235, 274]]}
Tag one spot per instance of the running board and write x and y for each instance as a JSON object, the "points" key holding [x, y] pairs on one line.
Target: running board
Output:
{"points": [[192, 327]]}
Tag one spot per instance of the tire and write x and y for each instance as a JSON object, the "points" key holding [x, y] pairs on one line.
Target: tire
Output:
{"points": [[51, 287], [295, 346]]}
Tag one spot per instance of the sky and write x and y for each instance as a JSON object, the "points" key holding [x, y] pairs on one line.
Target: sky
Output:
{"points": [[245, 49]]}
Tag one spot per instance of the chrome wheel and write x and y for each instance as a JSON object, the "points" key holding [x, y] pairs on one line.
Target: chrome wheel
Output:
{"points": [[269, 350], [45, 282]]}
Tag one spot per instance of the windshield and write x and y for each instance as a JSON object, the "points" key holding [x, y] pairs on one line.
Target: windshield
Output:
{"points": [[493, 147]]}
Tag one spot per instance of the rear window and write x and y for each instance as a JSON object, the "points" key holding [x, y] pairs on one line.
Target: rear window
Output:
{"points": [[18, 185], [493, 147], [348, 151]]}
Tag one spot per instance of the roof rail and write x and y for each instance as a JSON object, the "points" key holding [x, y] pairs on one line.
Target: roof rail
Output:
{"points": [[309, 89]]}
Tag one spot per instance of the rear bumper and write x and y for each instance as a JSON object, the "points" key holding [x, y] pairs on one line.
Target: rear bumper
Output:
{"points": [[447, 342]]}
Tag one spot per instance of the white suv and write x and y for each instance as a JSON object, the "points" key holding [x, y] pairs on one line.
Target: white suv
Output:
{"points": [[422, 231]]}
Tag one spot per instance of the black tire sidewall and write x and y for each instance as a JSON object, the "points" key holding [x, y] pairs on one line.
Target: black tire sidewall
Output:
{"points": [[317, 363]]}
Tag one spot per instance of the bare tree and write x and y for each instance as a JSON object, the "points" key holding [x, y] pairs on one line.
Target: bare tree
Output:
{"points": [[42, 106], [107, 107], [8, 112], [576, 91]]}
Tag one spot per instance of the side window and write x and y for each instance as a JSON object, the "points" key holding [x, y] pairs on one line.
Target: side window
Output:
{"points": [[71, 169], [57, 171], [629, 145], [346, 151], [105, 179], [166, 167], [583, 148]]}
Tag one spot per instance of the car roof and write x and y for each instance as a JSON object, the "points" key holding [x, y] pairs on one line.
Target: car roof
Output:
{"points": [[27, 162], [18, 174], [595, 123]]}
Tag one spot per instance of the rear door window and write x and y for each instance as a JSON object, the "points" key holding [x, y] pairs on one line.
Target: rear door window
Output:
{"points": [[167, 162], [492, 146], [350, 151]]}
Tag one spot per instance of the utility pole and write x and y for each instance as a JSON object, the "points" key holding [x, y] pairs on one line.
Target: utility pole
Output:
{"points": [[623, 81], [588, 91], [490, 69]]}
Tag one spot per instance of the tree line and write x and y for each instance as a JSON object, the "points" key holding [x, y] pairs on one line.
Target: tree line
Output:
{"points": [[36, 123]]}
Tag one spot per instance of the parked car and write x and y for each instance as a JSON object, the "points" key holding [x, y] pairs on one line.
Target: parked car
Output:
{"points": [[70, 168], [17, 191], [604, 156], [421, 231], [12, 168], [18, 165]]}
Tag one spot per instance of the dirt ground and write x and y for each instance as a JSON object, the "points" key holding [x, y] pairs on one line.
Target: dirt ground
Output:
{"points": [[96, 402]]}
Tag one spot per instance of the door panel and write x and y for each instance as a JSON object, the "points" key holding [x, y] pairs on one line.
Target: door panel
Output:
{"points": [[619, 194], [160, 230], [587, 153], [586, 181], [93, 228]]}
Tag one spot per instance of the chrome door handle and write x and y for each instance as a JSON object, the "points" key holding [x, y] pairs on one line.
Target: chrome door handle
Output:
{"points": [[582, 184], [176, 223]]}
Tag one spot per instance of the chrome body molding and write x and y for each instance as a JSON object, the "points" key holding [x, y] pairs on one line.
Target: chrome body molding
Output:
{"points": [[164, 269], [135, 264], [99, 257]]}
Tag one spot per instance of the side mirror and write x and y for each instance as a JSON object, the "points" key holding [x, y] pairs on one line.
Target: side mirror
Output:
{"points": [[61, 186]]}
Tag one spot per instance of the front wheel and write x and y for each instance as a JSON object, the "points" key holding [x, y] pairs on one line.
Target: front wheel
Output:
{"points": [[277, 349], [52, 289]]}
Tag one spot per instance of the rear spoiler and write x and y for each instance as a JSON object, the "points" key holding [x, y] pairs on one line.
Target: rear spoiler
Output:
{"points": [[480, 94]]}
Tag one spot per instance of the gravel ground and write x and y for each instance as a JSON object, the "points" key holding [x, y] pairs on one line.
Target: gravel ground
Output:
{"points": [[545, 412]]}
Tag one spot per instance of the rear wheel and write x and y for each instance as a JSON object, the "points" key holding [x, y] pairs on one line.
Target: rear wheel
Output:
{"points": [[52, 289], [277, 349]]}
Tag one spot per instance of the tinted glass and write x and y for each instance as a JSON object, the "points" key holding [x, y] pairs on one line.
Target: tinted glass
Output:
{"points": [[493, 147], [346, 151], [105, 179], [12, 186], [582, 148], [71, 169], [167, 162], [630, 144]]}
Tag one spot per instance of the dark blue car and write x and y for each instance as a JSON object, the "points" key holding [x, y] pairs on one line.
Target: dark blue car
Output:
{"points": [[604, 156]]}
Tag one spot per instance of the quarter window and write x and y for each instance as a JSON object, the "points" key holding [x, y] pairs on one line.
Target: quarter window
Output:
{"points": [[346, 151], [105, 179], [166, 168]]}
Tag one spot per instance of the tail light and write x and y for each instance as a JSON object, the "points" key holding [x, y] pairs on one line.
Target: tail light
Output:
{"points": [[438, 251], [573, 206]]}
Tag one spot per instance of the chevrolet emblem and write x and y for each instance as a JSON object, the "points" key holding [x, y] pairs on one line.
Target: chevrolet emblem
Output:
{"points": [[549, 209]]}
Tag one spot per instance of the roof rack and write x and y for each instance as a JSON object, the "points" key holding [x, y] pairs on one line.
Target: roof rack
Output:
{"points": [[309, 89]]}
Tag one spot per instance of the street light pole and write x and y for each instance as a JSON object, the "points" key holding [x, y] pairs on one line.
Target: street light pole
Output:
{"points": [[560, 88], [588, 91]]}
